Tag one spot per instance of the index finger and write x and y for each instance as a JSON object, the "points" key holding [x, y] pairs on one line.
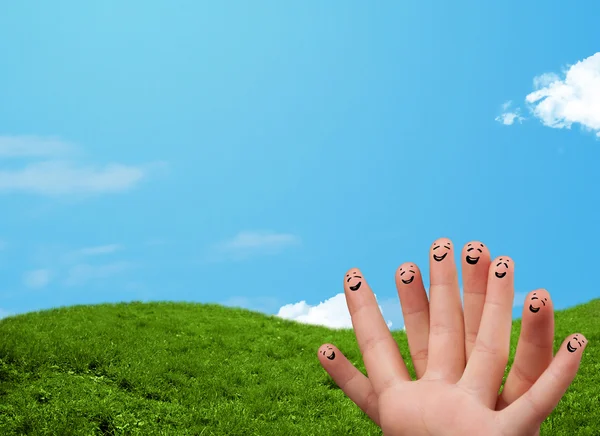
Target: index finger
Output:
{"points": [[380, 351]]}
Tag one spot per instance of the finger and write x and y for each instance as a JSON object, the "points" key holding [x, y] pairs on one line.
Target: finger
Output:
{"points": [[534, 349], [485, 369], [350, 380], [446, 329], [415, 310], [530, 410], [475, 266], [380, 352]]}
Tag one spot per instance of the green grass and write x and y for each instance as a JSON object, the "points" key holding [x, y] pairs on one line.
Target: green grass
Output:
{"points": [[193, 369]]}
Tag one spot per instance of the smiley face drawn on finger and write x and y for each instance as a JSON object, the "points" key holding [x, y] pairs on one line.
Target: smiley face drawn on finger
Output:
{"points": [[501, 267], [354, 280], [328, 353], [472, 253], [536, 300], [576, 341], [407, 275], [441, 255]]}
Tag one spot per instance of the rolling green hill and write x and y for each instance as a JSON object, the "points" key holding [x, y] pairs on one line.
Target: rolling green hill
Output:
{"points": [[193, 369]]}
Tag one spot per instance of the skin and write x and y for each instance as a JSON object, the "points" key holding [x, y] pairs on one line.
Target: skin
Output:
{"points": [[459, 357]]}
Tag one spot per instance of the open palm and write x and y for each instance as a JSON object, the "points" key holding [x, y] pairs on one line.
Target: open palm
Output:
{"points": [[459, 361]]}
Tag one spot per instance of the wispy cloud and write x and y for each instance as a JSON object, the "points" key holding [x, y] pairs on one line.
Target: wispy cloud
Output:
{"points": [[508, 116], [83, 273], [253, 243], [75, 267], [37, 279], [519, 299], [34, 146], [100, 249], [59, 174], [258, 304], [60, 178], [559, 101], [332, 313]]}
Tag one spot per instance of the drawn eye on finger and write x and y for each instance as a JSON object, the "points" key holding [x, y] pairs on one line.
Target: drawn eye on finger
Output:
{"points": [[575, 343], [441, 248], [537, 302], [353, 280], [474, 251], [329, 353], [501, 267], [407, 275]]}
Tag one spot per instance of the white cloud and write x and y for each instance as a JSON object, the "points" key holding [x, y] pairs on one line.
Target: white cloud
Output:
{"points": [[393, 312], [246, 244], [508, 117], [332, 313], [258, 304], [58, 174], [60, 178], [5, 313], [33, 146], [100, 249], [38, 278], [559, 103], [83, 273], [519, 299]]}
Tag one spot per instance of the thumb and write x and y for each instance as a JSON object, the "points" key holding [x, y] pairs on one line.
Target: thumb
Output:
{"points": [[529, 411]]}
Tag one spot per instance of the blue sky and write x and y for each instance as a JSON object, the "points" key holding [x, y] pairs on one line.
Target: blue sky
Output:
{"points": [[250, 155]]}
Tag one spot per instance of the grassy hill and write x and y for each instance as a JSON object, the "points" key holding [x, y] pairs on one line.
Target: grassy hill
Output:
{"points": [[193, 369]]}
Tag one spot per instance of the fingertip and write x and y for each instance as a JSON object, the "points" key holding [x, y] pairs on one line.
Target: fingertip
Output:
{"points": [[477, 246], [501, 267], [351, 272], [475, 257], [575, 343], [441, 249], [537, 303], [328, 353], [353, 280], [408, 266], [442, 242], [407, 273]]}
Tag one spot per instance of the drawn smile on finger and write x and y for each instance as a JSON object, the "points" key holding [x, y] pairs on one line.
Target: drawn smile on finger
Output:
{"points": [[472, 260], [407, 280], [440, 257], [571, 348], [355, 285], [329, 353], [501, 262], [536, 299]]}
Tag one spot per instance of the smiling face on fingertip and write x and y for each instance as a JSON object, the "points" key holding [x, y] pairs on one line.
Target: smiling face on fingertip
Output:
{"points": [[501, 266], [537, 302], [440, 249], [407, 273], [353, 279], [328, 352], [474, 250], [575, 343]]}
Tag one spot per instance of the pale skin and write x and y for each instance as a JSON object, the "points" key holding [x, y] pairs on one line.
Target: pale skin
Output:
{"points": [[459, 355]]}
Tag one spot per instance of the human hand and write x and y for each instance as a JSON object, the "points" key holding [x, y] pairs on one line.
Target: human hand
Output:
{"points": [[439, 353]]}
